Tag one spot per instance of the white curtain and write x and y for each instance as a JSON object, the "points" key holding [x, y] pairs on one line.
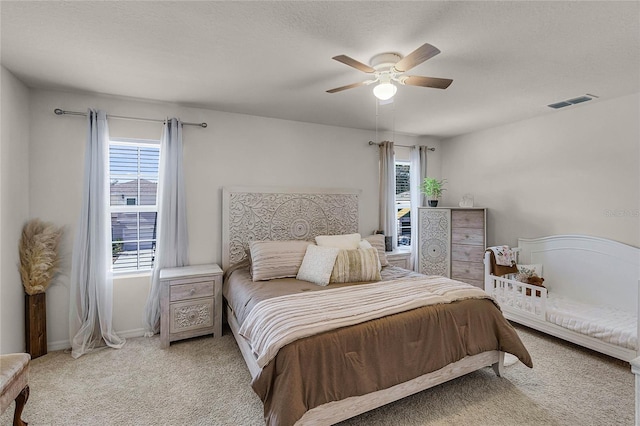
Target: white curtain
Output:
{"points": [[171, 239], [91, 281], [418, 172], [388, 213]]}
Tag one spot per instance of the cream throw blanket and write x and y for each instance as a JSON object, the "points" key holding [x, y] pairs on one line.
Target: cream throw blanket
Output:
{"points": [[276, 322]]}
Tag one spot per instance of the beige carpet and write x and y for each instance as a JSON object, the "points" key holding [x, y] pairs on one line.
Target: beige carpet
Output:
{"points": [[204, 381]]}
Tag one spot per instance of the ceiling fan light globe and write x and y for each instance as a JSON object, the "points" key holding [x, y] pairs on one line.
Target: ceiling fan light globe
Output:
{"points": [[384, 91]]}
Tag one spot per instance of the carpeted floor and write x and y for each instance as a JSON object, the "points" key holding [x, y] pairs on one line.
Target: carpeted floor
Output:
{"points": [[204, 381]]}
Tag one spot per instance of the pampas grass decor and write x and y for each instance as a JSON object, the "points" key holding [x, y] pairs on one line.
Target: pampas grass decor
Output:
{"points": [[39, 259]]}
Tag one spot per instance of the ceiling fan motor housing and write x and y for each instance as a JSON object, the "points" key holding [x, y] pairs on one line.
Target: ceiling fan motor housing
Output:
{"points": [[384, 61]]}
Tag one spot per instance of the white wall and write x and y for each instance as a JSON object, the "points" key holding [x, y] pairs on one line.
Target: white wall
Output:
{"points": [[14, 206], [572, 171], [234, 150], [434, 158], [537, 177]]}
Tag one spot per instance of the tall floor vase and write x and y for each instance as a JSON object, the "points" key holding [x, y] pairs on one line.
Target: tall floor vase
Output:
{"points": [[35, 315]]}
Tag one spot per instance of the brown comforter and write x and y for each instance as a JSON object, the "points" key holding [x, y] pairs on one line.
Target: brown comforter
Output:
{"points": [[367, 357]]}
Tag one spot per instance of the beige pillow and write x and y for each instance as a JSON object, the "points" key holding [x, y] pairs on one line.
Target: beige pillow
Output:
{"points": [[377, 241], [276, 259], [345, 241], [317, 264], [359, 265]]}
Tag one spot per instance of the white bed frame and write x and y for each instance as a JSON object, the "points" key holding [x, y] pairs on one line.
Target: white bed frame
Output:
{"points": [[307, 210], [586, 269]]}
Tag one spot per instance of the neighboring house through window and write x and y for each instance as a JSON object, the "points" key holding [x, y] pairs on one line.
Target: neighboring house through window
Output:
{"points": [[133, 173], [403, 203]]}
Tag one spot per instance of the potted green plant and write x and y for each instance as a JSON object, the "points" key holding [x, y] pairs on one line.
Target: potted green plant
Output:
{"points": [[433, 189]]}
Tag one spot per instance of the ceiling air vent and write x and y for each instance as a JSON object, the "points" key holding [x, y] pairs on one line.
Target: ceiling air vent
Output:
{"points": [[559, 105], [572, 101]]}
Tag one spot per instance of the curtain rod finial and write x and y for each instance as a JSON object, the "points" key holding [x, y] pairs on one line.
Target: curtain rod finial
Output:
{"points": [[58, 111], [204, 125]]}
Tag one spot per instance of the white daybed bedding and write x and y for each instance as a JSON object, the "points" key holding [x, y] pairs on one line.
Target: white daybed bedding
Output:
{"points": [[591, 294], [604, 323], [601, 322]]}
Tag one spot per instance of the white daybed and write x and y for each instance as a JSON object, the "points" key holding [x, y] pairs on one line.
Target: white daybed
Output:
{"points": [[591, 294]]}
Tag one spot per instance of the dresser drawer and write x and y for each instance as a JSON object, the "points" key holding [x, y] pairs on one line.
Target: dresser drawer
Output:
{"points": [[467, 219], [472, 236], [467, 270], [476, 283], [191, 290], [191, 315], [467, 252]]}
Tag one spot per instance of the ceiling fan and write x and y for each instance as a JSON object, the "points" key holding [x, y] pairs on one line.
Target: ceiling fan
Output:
{"points": [[390, 67]]}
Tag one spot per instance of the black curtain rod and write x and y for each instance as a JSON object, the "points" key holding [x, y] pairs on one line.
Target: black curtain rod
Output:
{"points": [[59, 111], [405, 146]]}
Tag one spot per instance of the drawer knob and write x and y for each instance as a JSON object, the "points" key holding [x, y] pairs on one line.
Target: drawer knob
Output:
{"points": [[192, 291]]}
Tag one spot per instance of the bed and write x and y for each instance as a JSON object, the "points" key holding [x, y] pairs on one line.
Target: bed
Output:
{"points": [[341, 372], [590, 296]]}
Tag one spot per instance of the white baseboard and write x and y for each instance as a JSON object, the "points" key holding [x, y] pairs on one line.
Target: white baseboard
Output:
{"points": [[58, 346], [66, 344], [127, 334]]}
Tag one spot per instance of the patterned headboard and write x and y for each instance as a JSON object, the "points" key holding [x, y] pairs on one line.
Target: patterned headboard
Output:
{"points": [[255, 213]]}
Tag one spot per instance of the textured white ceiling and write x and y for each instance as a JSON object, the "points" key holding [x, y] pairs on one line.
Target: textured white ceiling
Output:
{"points": [[508, 60]]}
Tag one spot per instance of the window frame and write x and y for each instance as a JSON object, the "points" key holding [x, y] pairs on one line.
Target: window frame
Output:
{"points": [[398, 203], [137, 209]]}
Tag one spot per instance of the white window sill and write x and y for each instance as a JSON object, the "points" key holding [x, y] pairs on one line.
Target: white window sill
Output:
{"points": [[402, 249], [128, 275]]}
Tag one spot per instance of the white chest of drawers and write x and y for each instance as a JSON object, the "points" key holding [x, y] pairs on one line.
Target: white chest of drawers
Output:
{"points": [[190, 302], [451, 243]]}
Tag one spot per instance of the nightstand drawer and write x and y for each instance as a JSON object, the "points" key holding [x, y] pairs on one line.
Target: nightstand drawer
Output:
{"points": [[191, 315], [400, 262], [399, 258], [193, 290]]}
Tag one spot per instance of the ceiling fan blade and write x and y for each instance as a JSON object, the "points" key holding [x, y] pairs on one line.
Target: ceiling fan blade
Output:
{"points": [[353, 63], [437, 83], [418, 56], [349, 86]]}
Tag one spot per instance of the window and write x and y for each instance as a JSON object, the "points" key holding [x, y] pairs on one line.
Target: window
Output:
{"points": [[133, 177], [403, 202]]}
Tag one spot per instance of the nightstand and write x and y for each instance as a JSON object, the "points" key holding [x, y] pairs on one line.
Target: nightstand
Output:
{"points": [[399, 257], [190, 302]]}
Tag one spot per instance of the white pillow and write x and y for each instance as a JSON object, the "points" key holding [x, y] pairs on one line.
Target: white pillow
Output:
{"points": [[530, 270], [346, 241], [317, 264], [364, 244]]}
